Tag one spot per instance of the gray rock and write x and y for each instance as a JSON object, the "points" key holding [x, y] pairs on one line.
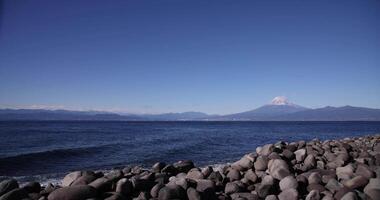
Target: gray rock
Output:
{"points": [[231, 187], [233, 175], [345, 173], [267, 180], [278, 169], [79, 192], [356, 182], [194, 174], [300, 154], [290, 194], [263, 190], [205, 185], [207, 171], [372, 189], [251, 176], [8, 185], [261, 163], [314, 177], [349, 196], [271, 197], [363, 170], [333, 185], [266, 150], [310, 162], [315, 186], [171, 192], [243, 164], [288, 182], [244, 195], [70, 178], [313, 195], [155, 189]]}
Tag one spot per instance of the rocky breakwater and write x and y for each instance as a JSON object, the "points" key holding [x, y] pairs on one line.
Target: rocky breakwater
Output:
{"points": [[345, 169]]}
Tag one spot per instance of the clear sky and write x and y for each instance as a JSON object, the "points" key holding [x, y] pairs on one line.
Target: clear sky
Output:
{"points": [[172, 56]]}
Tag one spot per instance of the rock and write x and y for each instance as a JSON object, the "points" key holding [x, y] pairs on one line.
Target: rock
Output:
{"points": [[314, 177], [193, 194], [267, 180], [251, 176], [195, 174], [341, 192], [70, 178], [233, 175], [271, 197], [8, 185], [349, 196], [15, 194], [101, 184], [243, 164], [333, 185], [288, 154], [78, 192], [231, 187], [157, 167], [264, 190], [288, 182], [114, 175], [207, 171], [266, 150], [114, 196], [32, 187], [278, 169], [84, 180], [363, 170], [244, 195], [171, 192], [124, 187], [372, 189], [155, 189], [184, 166], [315, 186], [310, 162], [356, 182], [290, 194], [205, 186], [313, 195], [300, 155], [345, 173], [261, 163]]}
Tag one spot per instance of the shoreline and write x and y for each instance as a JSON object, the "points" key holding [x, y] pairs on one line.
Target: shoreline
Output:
{"points": [[348, 168]]}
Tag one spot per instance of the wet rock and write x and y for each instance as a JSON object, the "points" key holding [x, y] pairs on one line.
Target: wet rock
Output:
{"points": [[372, 190], [78, 192], [32, 187], [8, 185], [278, 169], [290, 194], [288, 183], [184, 166]]}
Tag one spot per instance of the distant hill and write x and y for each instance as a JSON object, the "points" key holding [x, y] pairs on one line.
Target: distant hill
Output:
{"points": [[280, 109]]}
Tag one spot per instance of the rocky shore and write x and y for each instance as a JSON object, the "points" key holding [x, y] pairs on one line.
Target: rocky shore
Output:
{"points": [[345, 169]]}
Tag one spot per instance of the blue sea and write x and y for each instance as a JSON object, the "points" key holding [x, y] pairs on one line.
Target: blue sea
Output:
{"points": [[47, 150]]}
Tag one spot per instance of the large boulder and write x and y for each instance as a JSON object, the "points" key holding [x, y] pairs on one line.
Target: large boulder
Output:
{"points": [[278, 169], [70, 178], [300, 154], [8, 185], [78, 192], [171, 191], [261, 163], [372, 190], [290, 194], [288, 182]]}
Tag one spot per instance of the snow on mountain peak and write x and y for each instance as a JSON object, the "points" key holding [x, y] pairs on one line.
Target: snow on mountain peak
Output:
{"points": [[280, 100]]}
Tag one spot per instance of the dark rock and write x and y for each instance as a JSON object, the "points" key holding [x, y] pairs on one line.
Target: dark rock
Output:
{"points": [[184, 166], [157, 167], [288, 182], [154, 191], [341, 192], [84, 180], [195, 174], [264, 190], [114, 196], [124, 187], [288, 154], [78, 192], [171, 192], [101, 184], [290, 194], [169, 169], [15, 194], [114, 175], [372, 190], [193, 194], [32, 187], [8, 185]]}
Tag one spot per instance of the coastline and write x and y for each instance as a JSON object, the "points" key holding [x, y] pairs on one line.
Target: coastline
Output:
{"points": [[332, 169]]}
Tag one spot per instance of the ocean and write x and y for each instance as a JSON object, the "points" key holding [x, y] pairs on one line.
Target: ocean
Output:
{"points": [[46, 150]]}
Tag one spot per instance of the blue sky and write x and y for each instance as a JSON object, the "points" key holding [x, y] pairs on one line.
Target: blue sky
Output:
{"points": [[172, 56]]}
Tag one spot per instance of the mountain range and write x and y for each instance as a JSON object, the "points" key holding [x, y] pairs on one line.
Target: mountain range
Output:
{"points": [[280, 109]]}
